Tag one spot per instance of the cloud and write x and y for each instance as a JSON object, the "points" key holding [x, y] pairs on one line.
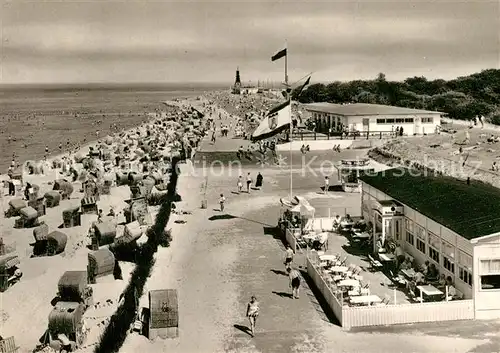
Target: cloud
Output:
{"points": [[203, 39]]}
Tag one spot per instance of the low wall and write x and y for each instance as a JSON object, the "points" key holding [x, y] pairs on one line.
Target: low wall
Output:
{"points": [[363, 316], [322, 145]]}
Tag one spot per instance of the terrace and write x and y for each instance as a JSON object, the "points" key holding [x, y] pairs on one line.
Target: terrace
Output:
{"points": [[362, 289]]}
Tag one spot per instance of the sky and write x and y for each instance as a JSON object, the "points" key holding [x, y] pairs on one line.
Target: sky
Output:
{"points": [[204, 41]]}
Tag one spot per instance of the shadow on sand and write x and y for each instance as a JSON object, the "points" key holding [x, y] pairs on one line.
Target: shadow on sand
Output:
{"points": [[283, 294], [331, 188], [279, 272], [243, 329], [222, 216]]}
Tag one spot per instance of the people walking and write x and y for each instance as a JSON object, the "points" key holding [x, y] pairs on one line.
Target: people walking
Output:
{"points": [[249, 182], [259, 180], [327, 184], [222, 201], [294, 277], [240, 184], [288, 257], [253, 313]]}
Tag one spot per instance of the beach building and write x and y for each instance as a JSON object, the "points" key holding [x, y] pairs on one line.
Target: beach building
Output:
{"points": [[372, 118], [448, 222]]}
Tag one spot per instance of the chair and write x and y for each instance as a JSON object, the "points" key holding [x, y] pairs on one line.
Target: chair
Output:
{"points": [[354, 292], [350, 270], [396, 279], [375, 264]]}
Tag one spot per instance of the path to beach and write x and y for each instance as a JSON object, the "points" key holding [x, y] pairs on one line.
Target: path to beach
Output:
{"points": [[218, 260]]}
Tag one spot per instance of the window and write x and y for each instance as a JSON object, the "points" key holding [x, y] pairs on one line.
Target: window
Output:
{"points": [[465, 267], [408, 120], [420, 239], [389, 121], [380, 121], [490, 282], [410, 238], [434, 244], [427, 120], [409, 225], [400, 121], [490, 274], [490, 267], [448, 251]]}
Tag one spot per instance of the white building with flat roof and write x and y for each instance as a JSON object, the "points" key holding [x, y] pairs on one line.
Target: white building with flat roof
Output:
{"points": [[373, 118], [446, 221]]}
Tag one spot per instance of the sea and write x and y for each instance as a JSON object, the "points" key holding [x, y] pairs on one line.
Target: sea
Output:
{"points": [[33, 117]]}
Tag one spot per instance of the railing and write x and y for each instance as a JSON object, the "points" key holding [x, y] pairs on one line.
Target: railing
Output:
{"points": [[313, 135], [290, 238], [363, 316]]}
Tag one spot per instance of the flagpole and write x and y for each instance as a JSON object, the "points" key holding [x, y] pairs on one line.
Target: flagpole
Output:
{"points": [[289, 97]]}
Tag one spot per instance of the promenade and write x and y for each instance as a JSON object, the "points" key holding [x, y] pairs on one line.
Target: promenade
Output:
{"points": [[219, 259]]}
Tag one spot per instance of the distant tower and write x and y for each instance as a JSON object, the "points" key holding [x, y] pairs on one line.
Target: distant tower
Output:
{"points": [[237, 82]]}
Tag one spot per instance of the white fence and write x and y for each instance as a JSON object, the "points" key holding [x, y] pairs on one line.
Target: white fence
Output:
{"points": [[350, 317], [330, 298]]}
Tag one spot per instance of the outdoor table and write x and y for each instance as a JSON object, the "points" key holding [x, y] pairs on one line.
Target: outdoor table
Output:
{"points": [[386, 257], [346, 224], [361, 235], [328, 257], [349, 283], [339, 269], [429, 291], [409, 273], [365, 299]]}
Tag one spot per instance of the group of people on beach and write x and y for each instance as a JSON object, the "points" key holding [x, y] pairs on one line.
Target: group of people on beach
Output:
{"points": [[239, 184]]}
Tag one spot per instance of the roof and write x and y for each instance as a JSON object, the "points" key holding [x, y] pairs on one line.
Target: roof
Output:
{"points": [[472, 211], [364, 109]]}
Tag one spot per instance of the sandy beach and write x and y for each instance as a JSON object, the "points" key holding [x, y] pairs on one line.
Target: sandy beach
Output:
{"points": [[215, 262]]}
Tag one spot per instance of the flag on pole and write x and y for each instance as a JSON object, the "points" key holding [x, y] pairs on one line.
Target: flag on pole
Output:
{"points": [[275, 121], [301, 88], [279, 55]]}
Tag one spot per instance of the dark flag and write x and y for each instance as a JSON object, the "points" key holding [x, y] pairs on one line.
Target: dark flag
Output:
{"points": [[279, 55]]}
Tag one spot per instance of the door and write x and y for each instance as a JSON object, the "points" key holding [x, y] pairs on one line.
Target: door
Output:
{"points": [[366, 124], [398, 229], [417, 126]]}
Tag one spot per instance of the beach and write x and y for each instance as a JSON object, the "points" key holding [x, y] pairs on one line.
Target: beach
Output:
{"points": [[216, 260], [40, 117]]}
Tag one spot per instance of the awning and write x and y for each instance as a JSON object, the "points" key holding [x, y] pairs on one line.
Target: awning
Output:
{"points": [[304, 209]]}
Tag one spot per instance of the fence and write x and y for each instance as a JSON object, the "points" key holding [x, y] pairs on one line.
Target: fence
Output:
{"points": [[407, 313], [363, 316], [290, 238], [306, 135], [324, 211]]}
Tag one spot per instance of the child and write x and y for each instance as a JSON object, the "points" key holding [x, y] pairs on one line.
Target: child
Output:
{"points": [[249, 182], [222, 200], [240, 183]]}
